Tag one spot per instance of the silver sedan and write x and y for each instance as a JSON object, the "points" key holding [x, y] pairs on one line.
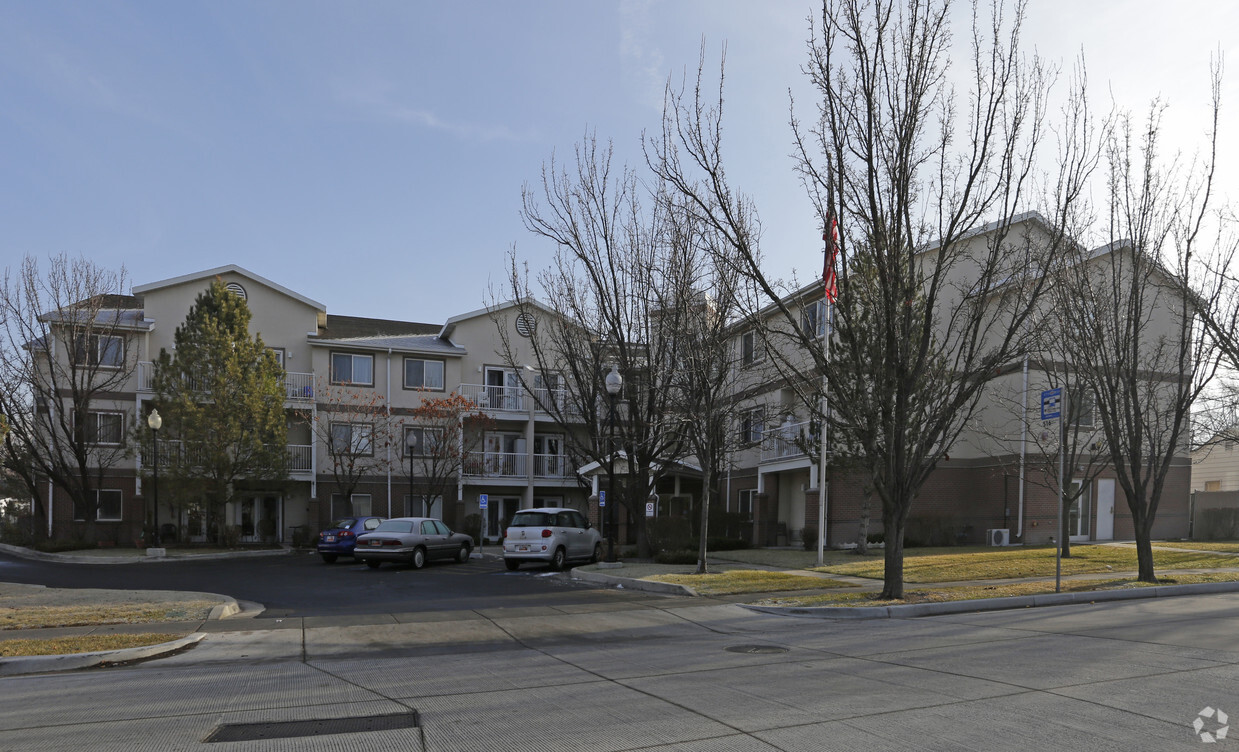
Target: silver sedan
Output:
{"points": [[412, 540]]}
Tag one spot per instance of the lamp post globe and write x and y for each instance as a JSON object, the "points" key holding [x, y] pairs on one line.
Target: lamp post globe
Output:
{"points": [[154, 421], [614, 383]]}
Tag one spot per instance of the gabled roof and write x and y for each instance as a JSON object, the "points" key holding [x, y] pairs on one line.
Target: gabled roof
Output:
{"points": [[451, 323], [347, 327], [217, 271], [422, 344]]}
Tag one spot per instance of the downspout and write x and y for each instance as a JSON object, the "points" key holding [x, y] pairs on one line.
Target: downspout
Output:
{"points": [[1019, 531], [388, 442]]}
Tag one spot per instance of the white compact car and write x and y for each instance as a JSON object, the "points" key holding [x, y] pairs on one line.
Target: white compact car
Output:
{"points": [[551, 534]]}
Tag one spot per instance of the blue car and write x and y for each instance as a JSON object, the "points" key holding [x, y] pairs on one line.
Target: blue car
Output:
{"points": [[339, 539]]}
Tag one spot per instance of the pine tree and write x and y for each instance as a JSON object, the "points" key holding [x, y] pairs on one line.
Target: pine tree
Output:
{"points": [[222, 398]]}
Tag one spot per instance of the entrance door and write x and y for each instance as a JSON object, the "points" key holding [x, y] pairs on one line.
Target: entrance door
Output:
{"points": [[1105, 509], [503, 389], [1078, 515]]}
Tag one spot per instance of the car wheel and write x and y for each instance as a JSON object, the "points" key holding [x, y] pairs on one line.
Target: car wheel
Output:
{"points": [[329, 558], [463, 554], [373, 564], [512, 564], [418, 558], [559, 562], [597, 557]]}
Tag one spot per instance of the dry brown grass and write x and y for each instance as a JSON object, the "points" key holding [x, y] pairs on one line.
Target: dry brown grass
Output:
{"points": [[974, 592], [82, 644], [25, 616]]}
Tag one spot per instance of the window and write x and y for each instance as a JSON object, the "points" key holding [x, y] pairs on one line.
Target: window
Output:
{"points": [[357, 505], [441, 528], [813, 319], [347, 368], [425, 441], [101, 350], [418, 506], [108, 505], [752, 425], [352, 438], [1081, 407], [278, 352], [744, 506], [1213, 485], [751, 348], [101, 428], [423, 374]]}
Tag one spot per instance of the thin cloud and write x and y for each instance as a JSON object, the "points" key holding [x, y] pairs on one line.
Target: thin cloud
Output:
{"points": [[379, 101]]}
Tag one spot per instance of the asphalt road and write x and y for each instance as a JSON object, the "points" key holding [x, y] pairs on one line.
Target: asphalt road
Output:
{"points": [[301, 584]]}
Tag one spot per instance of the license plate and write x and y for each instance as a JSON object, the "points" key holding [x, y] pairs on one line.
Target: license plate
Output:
{"points": [[330, 539], [522, 548], [376, 543]]}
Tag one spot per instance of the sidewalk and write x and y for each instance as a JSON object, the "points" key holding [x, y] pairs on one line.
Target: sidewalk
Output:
{"points": [[137, 555]]}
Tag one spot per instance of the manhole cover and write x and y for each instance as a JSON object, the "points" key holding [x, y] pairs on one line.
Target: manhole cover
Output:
{"points": [[247, 732], [761, 649]]}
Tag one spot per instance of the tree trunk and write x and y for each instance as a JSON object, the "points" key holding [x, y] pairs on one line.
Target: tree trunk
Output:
{"points": [[1064, 532], [862, 538], [892, 579], [1144, 552], [705, 521]]}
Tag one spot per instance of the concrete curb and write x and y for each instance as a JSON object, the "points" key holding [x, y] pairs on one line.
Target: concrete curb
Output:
{"points": [[915, 610], [27, 553], [39, 664], [629, 583]]}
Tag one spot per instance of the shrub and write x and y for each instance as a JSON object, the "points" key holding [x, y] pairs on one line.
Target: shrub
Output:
{"points": [[669, 534], [472, 526], [809, 536], [1218, 524], [683, 556], [726, 544]]}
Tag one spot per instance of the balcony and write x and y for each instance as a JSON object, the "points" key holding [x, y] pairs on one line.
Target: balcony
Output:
{"points": [[496, 465], [298, 387], [515, 398], [300, 456], [785, 442]]}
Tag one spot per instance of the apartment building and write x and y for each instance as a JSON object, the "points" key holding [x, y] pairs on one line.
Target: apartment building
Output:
{"points": [[518, 458], [992, 486]]}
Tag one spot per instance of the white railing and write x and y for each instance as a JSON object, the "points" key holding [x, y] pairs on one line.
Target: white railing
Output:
{"points": [[496, 465], [298, 387], [785, 442], [510, 398], [551, 466], [300, 458]]}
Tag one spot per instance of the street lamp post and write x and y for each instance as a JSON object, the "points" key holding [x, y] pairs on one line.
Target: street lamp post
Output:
{"points": [[614, 382], [155, 422]]}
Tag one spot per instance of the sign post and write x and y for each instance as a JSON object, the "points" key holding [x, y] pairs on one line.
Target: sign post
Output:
{"points": [[602, 517], [1051, 410], [482, 503]]}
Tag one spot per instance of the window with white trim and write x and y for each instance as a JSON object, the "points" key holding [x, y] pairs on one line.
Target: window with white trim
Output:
{"points": [[100, 428], [425, 441], [352, 438], [752, 425], [351, 368], [356, 505], [813, 319], [103, 350], [744, 504], [751, 349], [420, 373]]}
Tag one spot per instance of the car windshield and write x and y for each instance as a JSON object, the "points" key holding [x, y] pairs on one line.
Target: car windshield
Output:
{"points": [[346, 523], [532, 519], [395, 526]]}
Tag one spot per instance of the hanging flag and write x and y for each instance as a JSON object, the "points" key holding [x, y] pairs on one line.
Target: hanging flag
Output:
{"points": [[829, 277]]}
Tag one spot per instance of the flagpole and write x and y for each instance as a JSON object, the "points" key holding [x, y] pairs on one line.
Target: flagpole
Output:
{"points": [[829, 287]]}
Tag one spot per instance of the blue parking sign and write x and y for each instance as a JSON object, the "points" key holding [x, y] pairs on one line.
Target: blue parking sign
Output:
{"points": [[1051, 403], [482, 499]]}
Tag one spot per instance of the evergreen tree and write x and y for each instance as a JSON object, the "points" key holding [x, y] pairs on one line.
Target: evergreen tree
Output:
{"points": [[221, 395]]}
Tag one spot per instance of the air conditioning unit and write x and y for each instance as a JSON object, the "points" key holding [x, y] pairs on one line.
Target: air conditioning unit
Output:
{"points": [[998, 536]]}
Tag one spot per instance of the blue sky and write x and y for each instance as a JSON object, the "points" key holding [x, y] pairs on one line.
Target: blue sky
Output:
{"points": [[370, 155]]}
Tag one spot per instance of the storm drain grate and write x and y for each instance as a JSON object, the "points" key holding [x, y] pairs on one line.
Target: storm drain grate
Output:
{"points": [[760, 649], [248, 732]]}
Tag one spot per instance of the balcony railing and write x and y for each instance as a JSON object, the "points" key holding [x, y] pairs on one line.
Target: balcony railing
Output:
{"points": [[785, 442], [298, 387], [495, 397], [551, 466], [176, 452], [496, 465]]}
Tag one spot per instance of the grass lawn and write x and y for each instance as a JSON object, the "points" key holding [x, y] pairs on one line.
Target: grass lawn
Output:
{"points": [[82, 644], [1224, 546], [972, 592], [746, 581], [27, 616], [789, 558], [960, 564]]}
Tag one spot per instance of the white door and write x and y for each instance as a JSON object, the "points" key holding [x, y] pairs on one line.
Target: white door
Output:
{"points": [[1105, 509]]}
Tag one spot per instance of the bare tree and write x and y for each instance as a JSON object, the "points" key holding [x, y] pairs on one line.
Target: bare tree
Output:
{"points": [[943, 299], [602, 290], [1140, 307], [356, 427], [67, 354], [441, 435]]}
